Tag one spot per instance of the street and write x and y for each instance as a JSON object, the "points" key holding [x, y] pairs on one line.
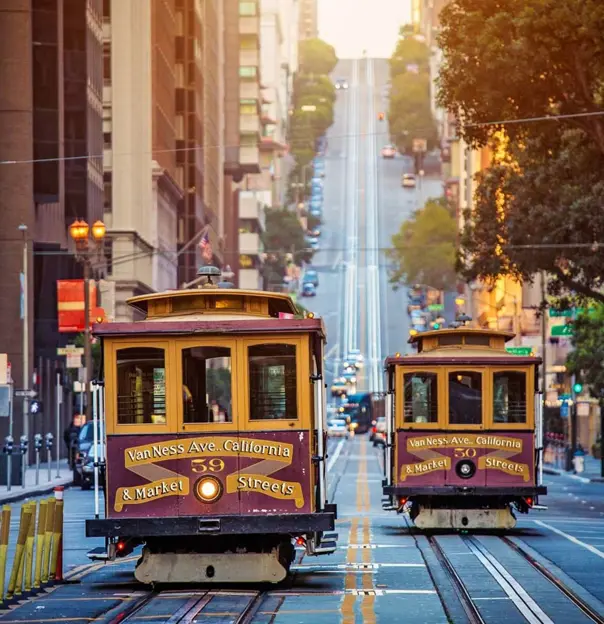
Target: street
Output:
{"points": [[364, 205], [382, 568]]}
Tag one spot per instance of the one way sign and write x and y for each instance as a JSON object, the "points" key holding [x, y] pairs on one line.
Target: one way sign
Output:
{"points": [[30, 394]]}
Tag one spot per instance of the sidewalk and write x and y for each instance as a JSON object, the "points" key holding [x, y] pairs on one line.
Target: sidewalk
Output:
{"points": [[18, 492], [591, 474]]}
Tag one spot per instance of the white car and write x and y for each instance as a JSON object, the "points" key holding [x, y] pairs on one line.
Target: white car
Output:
{"points": [[337, 428], [408, 180], [355, 355]]}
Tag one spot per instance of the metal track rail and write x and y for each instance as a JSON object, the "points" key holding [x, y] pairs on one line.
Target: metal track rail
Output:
{"points": [[576, 600], [467, 603]]}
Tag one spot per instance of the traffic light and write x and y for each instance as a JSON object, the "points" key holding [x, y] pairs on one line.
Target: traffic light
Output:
{"points": [[435, 325], [35, 407], [577, 388]]}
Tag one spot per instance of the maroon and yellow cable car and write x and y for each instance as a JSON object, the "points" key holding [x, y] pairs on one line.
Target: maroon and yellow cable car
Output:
{"points": [[464, 431], [215, 437]]}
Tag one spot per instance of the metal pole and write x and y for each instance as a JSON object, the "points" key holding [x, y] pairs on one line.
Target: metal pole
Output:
{"points": [[25, 318], [9, 460], [601, 436], [87, 349], [58, 422], [95, 451], [389, 429]]}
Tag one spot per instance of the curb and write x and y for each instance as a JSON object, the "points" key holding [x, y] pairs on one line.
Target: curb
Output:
{"points": [[556, 472], [19, 496]]}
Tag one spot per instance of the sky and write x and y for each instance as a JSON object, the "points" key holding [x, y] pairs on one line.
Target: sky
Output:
{"points": [[371, 25]]}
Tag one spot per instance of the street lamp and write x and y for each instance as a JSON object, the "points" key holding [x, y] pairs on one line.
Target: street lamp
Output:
{"points": [[86, 250]]}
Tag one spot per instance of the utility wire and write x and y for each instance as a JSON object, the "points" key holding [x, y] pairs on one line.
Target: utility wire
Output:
{"points": [[504, 122]]}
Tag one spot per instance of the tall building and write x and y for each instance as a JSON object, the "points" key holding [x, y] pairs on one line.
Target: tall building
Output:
{"points": [[50, 110], [308, 24], [139, 124]]}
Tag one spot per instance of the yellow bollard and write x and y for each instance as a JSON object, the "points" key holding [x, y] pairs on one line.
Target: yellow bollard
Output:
{"points": [[29, 550], [50, 519], [40, 544], [19, 585], [56, 540], [4, 533], [19, 551]]}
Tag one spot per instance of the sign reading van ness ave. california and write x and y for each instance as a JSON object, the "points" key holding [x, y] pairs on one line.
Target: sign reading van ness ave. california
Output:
{"points": [[499, 459], [259, 473]]}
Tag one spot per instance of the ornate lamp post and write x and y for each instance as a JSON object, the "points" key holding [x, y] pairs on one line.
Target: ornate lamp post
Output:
{"points": [[87, 248]]}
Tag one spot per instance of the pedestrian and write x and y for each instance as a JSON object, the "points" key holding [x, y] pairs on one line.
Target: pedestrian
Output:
{"points": [[579, 460], [70, 436]]}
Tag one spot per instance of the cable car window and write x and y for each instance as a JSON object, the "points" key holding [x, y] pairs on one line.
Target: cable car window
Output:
{"points": [[206, 385], [477, 340], [509, 397], [465, 398], [273, 388], [421, 398], [141, 386]]}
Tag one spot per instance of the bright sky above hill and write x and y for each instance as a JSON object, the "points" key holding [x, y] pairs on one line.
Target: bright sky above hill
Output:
{"points": [[352, 26]]}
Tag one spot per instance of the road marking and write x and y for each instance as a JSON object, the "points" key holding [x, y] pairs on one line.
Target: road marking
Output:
{"points": [[335, 455], [571, 538]]}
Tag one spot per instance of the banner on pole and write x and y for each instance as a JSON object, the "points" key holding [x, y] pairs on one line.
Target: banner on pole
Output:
{"points": [[70, 303]]}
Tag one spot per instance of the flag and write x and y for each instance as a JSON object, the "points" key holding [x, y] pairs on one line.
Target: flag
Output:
{"points": [[206, 246]]}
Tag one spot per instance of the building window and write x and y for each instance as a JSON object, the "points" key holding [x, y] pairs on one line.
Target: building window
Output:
{"points": [[141, 386], [273, 392], [248, 72], [248, 42], [247, 9], [206, 385], [248, 107]]}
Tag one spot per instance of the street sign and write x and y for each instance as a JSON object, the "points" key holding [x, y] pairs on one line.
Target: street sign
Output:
{"points": [[526, 351], [564, 410], [420, 145], [562, 330], [30, 394], [436, 307], [70, 350], [565, 313], [74, 360]]}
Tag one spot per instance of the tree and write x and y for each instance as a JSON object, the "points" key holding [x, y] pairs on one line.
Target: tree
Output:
{"points": [[283, 234], [506, 59], [587, 359], [538, 206], [409, 51], [315, 56], [409, 113], [319, 87], [424, 248]]}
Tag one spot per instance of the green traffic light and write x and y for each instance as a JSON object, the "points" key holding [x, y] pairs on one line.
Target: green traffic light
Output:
{"points": [[577, 388], [436, 326]]}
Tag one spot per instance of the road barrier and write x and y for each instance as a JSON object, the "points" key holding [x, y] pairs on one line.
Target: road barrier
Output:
{"points": [[38, 557]]}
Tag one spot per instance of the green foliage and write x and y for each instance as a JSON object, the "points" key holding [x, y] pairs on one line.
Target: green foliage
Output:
{"points": [[284, 234], [539, 207], [587, 358], [506, 59], [424, 248], [409, 112], [316, 57], [95, 349]]}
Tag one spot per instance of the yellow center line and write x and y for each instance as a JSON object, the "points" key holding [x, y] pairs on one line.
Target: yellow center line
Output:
{"points": [[368, 602]]}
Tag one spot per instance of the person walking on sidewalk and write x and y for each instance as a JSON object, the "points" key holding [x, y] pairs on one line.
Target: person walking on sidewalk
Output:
{"points": [[70, 436]]}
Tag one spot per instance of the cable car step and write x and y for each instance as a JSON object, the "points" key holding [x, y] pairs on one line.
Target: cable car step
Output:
{"points": [[326, 548], [539, 507], [329, 537], [98, 554]]}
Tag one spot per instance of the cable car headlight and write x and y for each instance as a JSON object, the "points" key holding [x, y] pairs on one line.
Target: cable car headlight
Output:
{"points": [[208, 489]]}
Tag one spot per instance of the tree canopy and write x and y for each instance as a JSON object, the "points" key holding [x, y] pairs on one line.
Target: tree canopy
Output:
{"points": [[423, 250], [587, 358], [283, 233], [316, 56], [409, 112], [538, 207]]}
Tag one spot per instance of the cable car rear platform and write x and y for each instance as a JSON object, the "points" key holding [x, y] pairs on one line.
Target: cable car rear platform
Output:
{"points": [[213, 525]]}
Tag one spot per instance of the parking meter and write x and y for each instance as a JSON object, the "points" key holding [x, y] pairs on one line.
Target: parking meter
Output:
{"points": [[38, 441], [23, 444], [49, 441], [8, 451]]}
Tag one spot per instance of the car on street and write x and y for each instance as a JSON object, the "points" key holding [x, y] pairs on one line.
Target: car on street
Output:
{"points": [[378, 432], [85, 443], [315, 212], [311, 277], [408, 180], [315, 203], [350, 376], [388, 151], [356, 357], [313, 242], [341, 83], [309, 290], [337, 428], [315, 232]]}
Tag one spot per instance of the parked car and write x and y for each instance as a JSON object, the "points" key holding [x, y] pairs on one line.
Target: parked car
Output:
{"points": [[313, 242], [85, 442], [311, 277], [309, 290], [388, 151], [341, 83], [355, 356]]}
